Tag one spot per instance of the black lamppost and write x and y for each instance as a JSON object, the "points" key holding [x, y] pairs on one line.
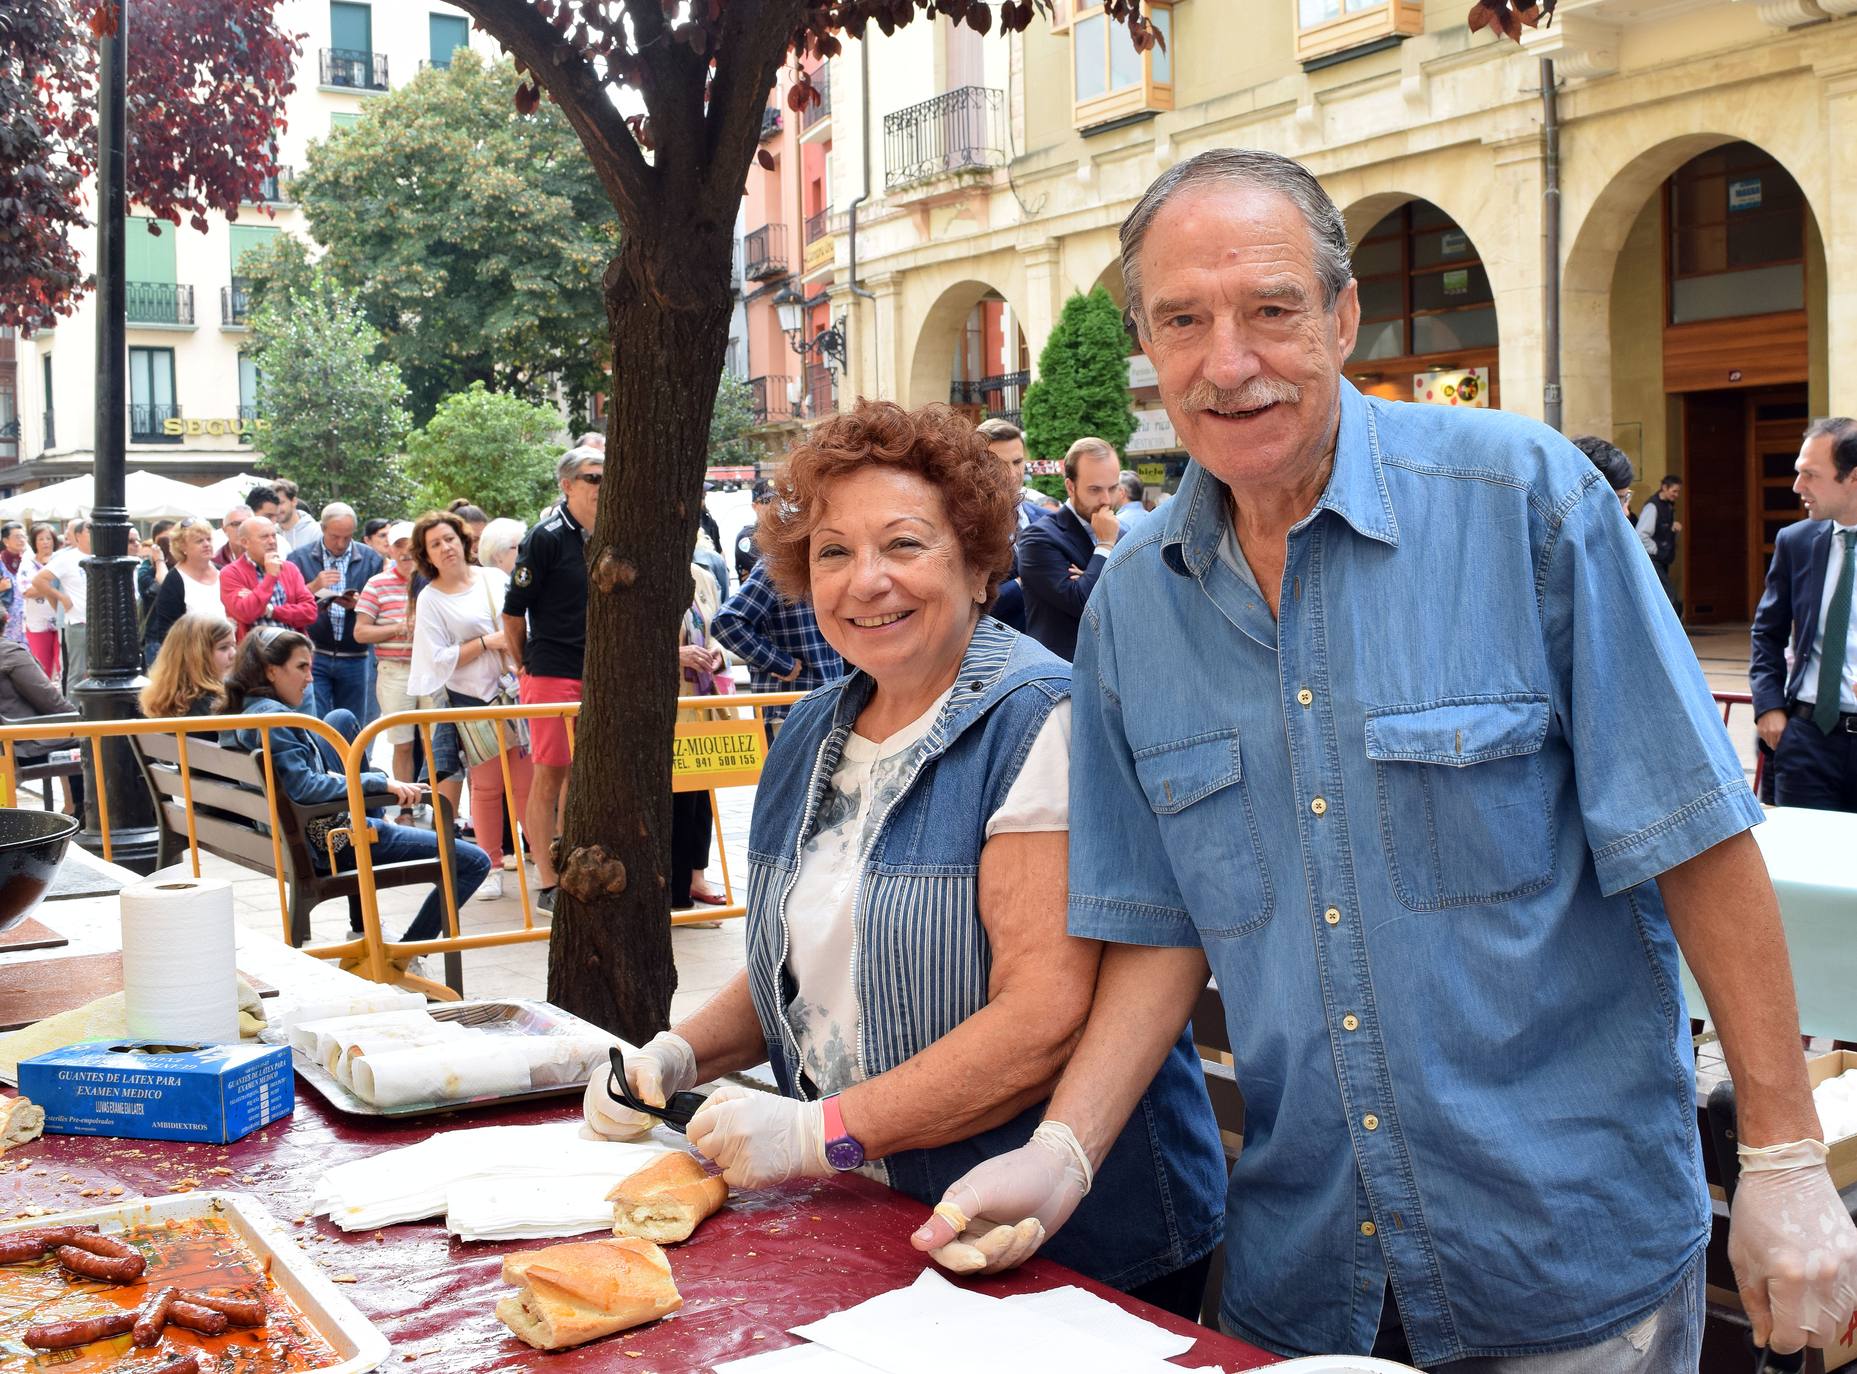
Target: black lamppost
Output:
{"points": [[115, 655], [828, 343]]}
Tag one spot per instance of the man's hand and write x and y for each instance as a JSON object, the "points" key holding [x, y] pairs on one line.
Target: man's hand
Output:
{"points": [[1770, 726], [1676, 526], [1008, 1206], [696, 658], [406, 793], [665, 1065], [1793, 1247], [1105, 526], [799, 667], [328, 577], [761, 1138], [272, 562]]}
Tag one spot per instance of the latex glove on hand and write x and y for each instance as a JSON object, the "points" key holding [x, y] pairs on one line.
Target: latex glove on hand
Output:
{"points": [[1793, 1247], [997, 1215], [665, 1065], [760, 1138]]}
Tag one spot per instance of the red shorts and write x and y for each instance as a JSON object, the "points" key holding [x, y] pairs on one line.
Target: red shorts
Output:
{"points": [[548, 735]]}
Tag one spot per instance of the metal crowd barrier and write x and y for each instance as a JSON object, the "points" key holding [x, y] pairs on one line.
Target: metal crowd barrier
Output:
{"points": [[371, 955]]}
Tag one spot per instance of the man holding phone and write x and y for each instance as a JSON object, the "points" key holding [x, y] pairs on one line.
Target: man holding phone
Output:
{"points": [[335, 568]]}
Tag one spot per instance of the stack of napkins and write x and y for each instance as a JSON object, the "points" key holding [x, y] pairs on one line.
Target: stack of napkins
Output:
{"points": [[912, 1331], [489, 1183], [406, 1057]]}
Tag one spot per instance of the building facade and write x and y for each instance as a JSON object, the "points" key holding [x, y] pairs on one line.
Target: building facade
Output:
{"points": [[192, 408], [1708, 216]]}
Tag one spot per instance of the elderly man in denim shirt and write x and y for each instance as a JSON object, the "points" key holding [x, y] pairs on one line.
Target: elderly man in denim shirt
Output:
{"points": [[1387, 724]]}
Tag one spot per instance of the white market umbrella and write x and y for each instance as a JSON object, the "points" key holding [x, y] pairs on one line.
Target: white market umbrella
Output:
{"points": [[149, 496], [228, 492]]}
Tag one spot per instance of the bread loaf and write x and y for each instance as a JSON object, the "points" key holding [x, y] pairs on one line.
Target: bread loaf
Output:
{"points": [[569, 1294], [666, 1200]]}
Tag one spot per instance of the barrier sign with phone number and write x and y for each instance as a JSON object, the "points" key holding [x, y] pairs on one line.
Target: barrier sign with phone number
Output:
{"points": [[719, 753]]}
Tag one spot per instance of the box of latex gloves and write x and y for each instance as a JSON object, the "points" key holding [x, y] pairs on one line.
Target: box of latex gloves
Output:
{"points": [[144, 1091]]}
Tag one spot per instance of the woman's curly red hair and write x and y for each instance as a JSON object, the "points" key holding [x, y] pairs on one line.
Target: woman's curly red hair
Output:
{"points": [[936, 443]]}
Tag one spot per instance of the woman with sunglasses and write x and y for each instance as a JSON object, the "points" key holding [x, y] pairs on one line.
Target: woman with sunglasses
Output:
{"points": [[191, 586]]}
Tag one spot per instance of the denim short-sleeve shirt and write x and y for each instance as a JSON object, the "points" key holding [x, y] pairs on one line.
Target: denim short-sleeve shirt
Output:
{"points": [[1415, 823]]}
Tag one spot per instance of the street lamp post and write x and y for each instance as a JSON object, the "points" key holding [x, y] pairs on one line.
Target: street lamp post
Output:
{"points": [[828, 343], [115, 655]]}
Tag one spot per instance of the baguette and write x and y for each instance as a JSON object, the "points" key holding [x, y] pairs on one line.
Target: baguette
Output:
{"points": [[666, 1200], [569, 1294]]}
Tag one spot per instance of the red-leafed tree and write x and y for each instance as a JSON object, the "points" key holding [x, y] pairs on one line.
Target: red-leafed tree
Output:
{"points": [[674, 172], [207, 83]]}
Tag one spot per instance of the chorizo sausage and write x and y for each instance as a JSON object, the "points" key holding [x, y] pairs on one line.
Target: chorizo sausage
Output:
{"points": [[92, 1266], [196, 1318], [239, 1311], [82, 1331], [24, 1246], [154, 1316], [107, 1246]]}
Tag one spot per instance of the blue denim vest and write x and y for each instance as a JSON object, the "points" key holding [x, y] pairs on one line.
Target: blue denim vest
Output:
{"points": [[922, 961]]}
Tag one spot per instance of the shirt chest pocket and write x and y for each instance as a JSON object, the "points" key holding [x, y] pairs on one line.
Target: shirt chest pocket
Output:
{"points": [[1203, 812], [1463, 800]]}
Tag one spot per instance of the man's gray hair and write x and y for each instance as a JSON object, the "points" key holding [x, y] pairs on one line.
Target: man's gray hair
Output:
{"points": [[1258, 170], [1132, 484], [593, 438], [337, 509], [998, 431], [575, 459]]}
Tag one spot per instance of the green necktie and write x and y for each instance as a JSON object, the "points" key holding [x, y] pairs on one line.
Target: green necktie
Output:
{"points": [[1837, 633]]}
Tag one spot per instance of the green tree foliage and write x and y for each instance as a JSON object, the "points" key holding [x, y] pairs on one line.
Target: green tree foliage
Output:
{"points": [[1082, 386], [337, 417], [494, 448], [729, 446], [474, 235]]}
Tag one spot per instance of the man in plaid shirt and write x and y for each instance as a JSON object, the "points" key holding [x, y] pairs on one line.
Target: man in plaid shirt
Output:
{"points": [[779, 641]]}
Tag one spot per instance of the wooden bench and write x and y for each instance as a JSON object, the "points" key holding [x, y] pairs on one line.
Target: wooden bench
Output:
{"points": [[45, 769], [232, 818]]}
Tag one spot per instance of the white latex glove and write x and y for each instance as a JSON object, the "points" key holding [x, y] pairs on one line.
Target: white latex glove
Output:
{"points": [[665, 1065], [998, 1214], [760, 1138], [1793, 1247]]}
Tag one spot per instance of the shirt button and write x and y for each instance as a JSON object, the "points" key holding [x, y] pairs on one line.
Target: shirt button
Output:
{"points": [[1332, 916], [1368, 1228], [1319, 806], [1371, 1122], [1304, 697], [1350, 1022]]}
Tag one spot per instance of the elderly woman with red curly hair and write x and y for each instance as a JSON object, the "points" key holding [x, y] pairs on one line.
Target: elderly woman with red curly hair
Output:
{"points": [[909, 974]]}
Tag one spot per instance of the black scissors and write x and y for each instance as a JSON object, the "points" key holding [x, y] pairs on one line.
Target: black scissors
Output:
{"points": [[676, 1113]]}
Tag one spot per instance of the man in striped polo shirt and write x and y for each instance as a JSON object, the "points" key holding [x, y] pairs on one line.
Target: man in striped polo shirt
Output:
{"points": [[384, 619]]}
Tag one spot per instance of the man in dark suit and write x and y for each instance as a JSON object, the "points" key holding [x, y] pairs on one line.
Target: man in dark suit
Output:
{"points": [[1808, 717], [335, 568], [1006, 442], [1061, 556]]}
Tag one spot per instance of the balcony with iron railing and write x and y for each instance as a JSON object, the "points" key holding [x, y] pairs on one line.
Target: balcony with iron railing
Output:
{"points": [[235, 304], [1001, 395], [48, 426], [818, 226], [145, 422], [354, 69], [271, 191], [815, 115], [772, 121], [963, 130], [770, 400], [821, 391], [764, 252], [158, 302]]}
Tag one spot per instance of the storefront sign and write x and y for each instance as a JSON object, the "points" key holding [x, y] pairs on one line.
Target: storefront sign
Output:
{"points": [[1457, 282], [1463, 386], [1744, 194], [175, 427], [720, 753], [1141, 372], [1453, 243], [1152, 474], [819, 251], [1154, 433]]}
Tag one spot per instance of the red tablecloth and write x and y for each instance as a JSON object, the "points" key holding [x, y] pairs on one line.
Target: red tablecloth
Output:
{"points": [[767, 1262]]}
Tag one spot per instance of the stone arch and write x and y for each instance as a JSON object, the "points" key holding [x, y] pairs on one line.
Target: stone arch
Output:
{"points": [[1596, 239], [932, 351]]}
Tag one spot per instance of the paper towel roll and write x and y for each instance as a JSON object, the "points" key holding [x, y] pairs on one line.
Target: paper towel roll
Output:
{"points": [[179, 971]]}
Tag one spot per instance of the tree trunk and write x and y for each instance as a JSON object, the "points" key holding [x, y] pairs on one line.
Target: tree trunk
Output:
{"points": [[668, 306]]}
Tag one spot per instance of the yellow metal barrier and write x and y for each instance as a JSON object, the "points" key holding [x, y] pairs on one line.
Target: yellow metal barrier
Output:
{"points": [[374, 956]]}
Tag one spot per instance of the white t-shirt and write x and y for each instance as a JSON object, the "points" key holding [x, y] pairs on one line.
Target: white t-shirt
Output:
{"points": [[67, 566], [825, 1012], [201, 598], [445, 621], [41, 611]]}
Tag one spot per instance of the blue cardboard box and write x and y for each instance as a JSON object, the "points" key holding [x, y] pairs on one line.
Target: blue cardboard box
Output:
{"points": [[144, 1091]]}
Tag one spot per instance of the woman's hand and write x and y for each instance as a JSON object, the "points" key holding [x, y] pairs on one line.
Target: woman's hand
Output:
{"points": [[406, 793], [665, 1065], [1006, 1206], [493, 644], [761, 1138], [697, 658]]}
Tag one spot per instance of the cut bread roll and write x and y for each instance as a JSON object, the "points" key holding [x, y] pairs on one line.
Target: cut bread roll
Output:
{"points": [[666, 1200], [569, 1294]]}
